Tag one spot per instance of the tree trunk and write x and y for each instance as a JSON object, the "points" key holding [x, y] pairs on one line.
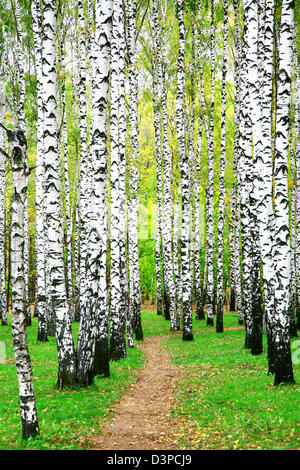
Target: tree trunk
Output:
{"points": [[210, 184], [280, 327], [64, 339], [30, 427], [117, 325], [133, 203], [40, 295], [98, 228], [220, 299], [3, 315], [185, 185]]}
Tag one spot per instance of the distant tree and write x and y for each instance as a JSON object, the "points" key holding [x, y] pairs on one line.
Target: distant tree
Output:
{"points": [[220, 304], [210, 183]]}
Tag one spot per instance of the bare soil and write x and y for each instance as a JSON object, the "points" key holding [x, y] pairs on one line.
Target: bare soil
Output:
{"points": [[142, 419]]}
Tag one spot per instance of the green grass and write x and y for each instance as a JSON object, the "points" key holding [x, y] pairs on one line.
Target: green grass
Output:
{"points": [[224, 400], [66, 417]]}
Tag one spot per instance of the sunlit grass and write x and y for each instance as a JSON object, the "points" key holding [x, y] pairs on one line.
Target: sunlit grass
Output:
{"points": [[225, 398], [66, 417]]}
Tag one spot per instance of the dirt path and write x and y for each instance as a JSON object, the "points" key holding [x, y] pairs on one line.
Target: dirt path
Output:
{"points": [[142, 418]]}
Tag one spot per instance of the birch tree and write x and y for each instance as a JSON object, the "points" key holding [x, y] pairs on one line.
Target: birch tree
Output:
{"points": [[117, 325], [185, 185], [245, 170], [253, 56], [297, 166], [30, 426], [40, 295], [220, 306], [3, 315], [280, 327], [122, 130], [83, 182], [210, 183], [235, 202], [165, 212], [64, 339], [68, 205], [21, 119], [133, 201], [98, 233]]}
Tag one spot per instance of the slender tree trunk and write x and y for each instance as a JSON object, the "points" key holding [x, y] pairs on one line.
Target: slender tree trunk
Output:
{"points": [[68, 207], [245, 170], [64, 339], [297, 165], [235, 203], [3, 314], [185, 185], [29, 418], [210, 185], [157, 121], [253, 57], [117, 326], [283, 362], [176, 269], [77, 263], [198, 287], [220, 301], [22, 124], [98, 228], [40, 295], [83, 184], [124, 307], [292, 288], [133, 203]]}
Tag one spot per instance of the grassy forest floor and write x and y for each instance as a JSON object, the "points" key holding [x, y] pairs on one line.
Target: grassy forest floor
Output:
{"points": [[223, 399]]}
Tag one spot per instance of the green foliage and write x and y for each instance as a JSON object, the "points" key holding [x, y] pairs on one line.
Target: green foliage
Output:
{"points": [[4, 24], [147, 269], [225, 398]]}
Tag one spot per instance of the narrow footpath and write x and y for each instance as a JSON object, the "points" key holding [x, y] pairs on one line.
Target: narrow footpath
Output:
{"points": [[142, 418]]}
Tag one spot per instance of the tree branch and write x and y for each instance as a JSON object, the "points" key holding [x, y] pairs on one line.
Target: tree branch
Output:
{"points": [[4, 153]]}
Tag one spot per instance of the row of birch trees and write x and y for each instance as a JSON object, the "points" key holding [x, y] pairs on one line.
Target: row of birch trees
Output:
{"points": [[223, 82]]}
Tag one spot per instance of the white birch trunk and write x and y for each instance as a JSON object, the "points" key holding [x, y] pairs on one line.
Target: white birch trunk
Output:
{"points": [[280, 327], [133, 203], [3, 315], [117, 326], [83, 184], [210, 183], [95, 360], [235, 203], [185, 185], [253, 56], [40, 294], [21, 119], [158, 138], [64, 339], [68, 207], [29, 418], [220, 301], [297, 165]]}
